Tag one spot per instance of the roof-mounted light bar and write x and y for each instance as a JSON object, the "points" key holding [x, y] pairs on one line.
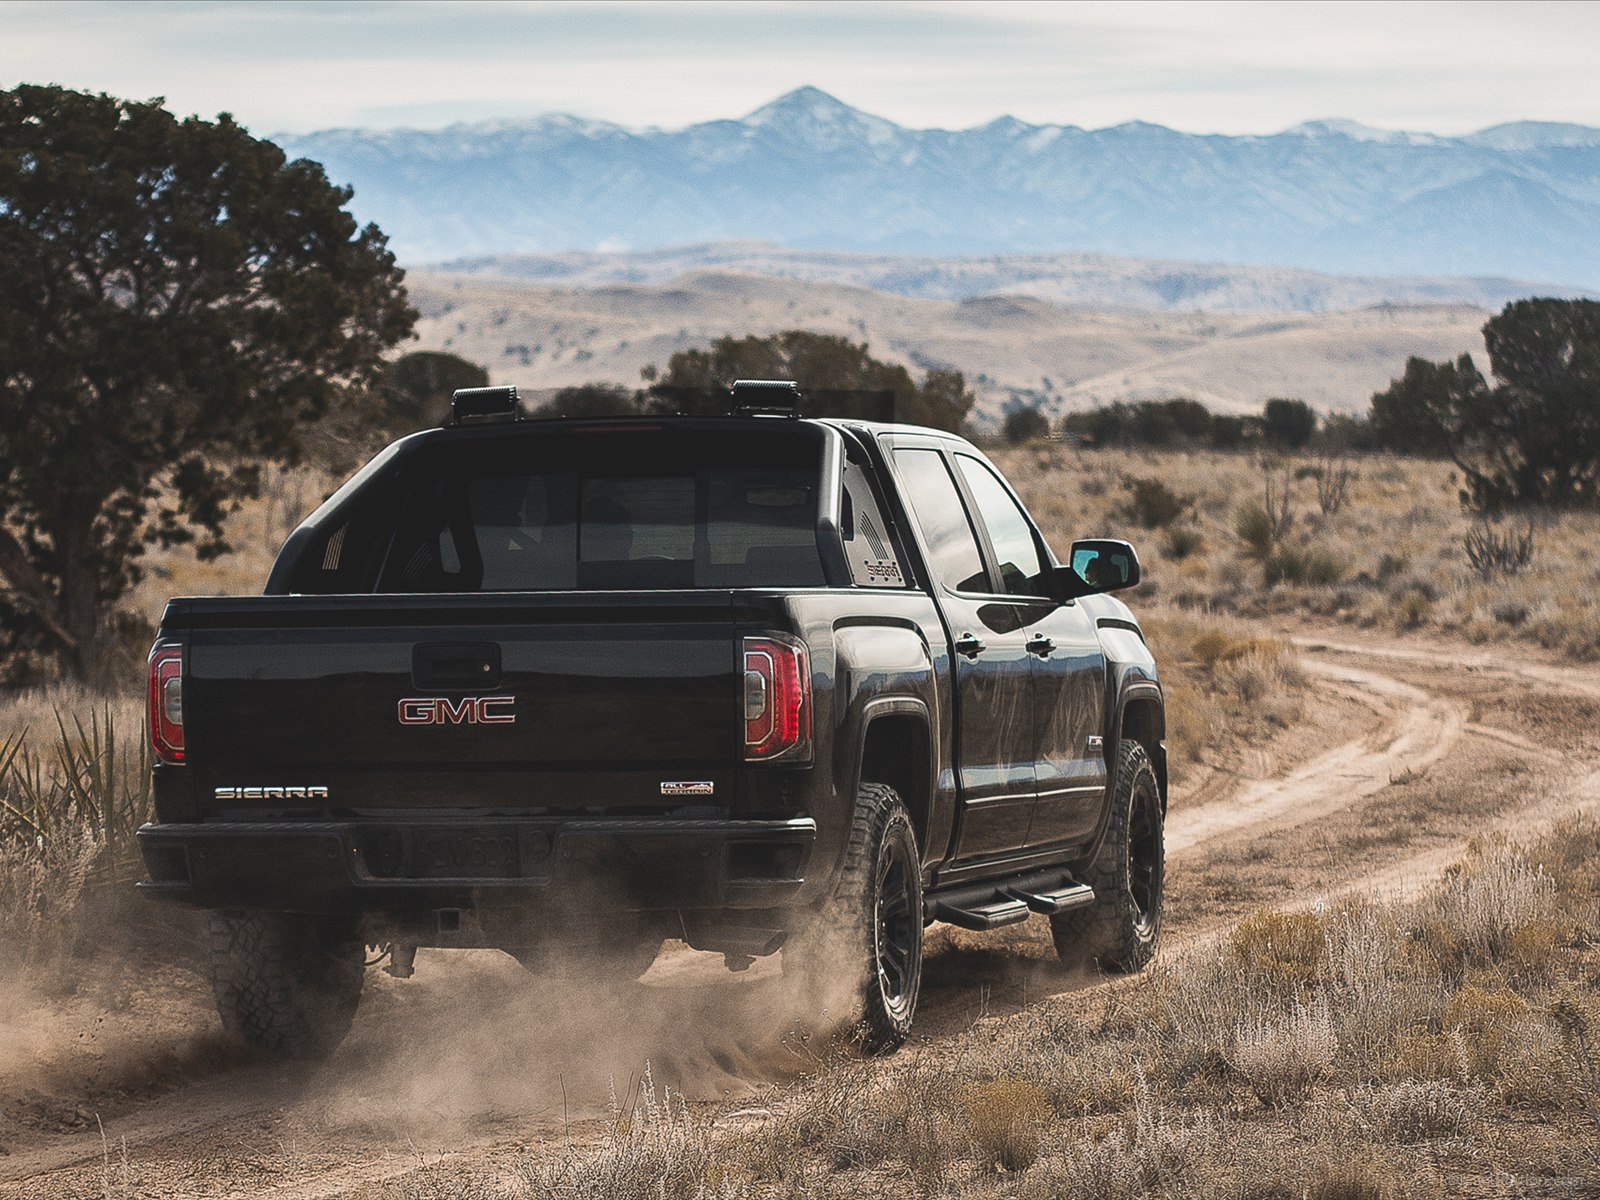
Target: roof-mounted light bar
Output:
{"points": [[484, 404], [765, 398]]}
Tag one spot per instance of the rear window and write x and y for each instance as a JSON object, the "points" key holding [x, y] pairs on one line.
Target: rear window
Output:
{"points": [[609, 511]]}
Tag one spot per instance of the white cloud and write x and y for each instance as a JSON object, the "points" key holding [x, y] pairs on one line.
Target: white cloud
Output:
{"points": [[1444, 67]]}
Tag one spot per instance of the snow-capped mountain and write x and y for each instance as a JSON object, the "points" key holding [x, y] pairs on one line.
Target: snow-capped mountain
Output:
{"points": [[1519, 200]]}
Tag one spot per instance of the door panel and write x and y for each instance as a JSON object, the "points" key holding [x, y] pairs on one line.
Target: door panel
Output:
{"points": [[1066, 666], [994, 723], [1069, 699], [994, 712]]}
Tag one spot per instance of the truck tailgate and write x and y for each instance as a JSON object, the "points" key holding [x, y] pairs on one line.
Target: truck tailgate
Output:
{"points": [[600, 702]]}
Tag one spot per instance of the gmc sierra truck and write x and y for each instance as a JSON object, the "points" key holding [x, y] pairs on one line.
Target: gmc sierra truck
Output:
{"points": [[752, 681]]}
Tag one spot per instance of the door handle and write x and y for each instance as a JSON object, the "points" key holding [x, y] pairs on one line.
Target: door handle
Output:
{"points": [[1041, 645], [970, 645]]}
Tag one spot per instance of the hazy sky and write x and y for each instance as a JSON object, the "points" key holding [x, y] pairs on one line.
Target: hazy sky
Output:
{"points": [[1444, 67]]}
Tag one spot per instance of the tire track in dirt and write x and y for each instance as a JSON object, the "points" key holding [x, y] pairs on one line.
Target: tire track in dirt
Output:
{"points": [[1416, 730]]}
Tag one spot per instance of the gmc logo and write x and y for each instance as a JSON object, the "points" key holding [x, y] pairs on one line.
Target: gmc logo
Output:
{"points": [[469, 710]]}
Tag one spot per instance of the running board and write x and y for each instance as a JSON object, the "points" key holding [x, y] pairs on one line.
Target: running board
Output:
{"points": [[993, 915], [1055, 900], [990, 905]]}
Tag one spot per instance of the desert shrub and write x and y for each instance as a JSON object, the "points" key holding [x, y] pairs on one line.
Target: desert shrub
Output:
{"points": [[1495, 907], [1215, 646], [1510, 613], [1391, 566], [1253, 527], [1492, 553], [654, 1150], [1026, 425], [67, 820], [1480, 1020], [1281, 948], [1282, 1053], [1150, 1151], [1333, 485], [1289, 423], [1006, 1119], [1417, 1110], [1151, 504], [1181, 541], [1413, 608], [1302, 565], [856, 1117]]}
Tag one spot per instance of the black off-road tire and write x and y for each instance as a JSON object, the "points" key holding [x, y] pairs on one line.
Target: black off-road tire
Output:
{"points": [[872, 927], [1120, 929], [285, 983]]}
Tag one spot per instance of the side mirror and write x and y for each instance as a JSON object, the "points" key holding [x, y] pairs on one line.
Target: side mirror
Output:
{"points": [[1097, 565]]}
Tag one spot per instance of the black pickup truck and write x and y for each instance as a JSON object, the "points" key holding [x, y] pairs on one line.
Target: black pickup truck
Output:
{"points": [[751, 681]]}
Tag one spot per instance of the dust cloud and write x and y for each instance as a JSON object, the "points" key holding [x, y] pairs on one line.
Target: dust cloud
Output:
{"points": [[475, 1037]]}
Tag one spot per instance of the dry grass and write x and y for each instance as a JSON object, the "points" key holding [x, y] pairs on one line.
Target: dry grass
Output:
{"points": [[1224, 686], [1397, 551], [1364, 1051], [71, 797]]}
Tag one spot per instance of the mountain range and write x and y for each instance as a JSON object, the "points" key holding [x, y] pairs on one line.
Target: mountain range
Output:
{"points": [[1518, 201]]}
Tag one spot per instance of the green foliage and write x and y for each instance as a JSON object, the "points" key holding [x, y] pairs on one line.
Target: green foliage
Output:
{"points": [[177, 303], [1289, 424], [838, 376], [1302, 564], [1494, 553], [1153, 505], [415, 388], [1409, 415], [1533, 437], [1149, 423], [1255, 528], [1181, 541], [1026, 425]]}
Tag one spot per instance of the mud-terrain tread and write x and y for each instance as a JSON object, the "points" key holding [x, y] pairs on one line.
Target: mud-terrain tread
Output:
{"points": [[847, 923], [1109, 932], [288, 985]]}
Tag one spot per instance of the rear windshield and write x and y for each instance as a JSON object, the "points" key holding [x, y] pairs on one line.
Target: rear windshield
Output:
{"points": [[609, 510]]}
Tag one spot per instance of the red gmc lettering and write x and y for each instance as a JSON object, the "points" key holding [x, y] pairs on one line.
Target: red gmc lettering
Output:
{"points": [[468, 710]]}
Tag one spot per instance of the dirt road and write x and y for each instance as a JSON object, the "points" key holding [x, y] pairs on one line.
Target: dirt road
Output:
{"points": [[1409, 749]]}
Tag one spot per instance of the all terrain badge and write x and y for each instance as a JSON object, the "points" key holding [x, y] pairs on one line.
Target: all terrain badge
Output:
{"points": [[688, 787]]}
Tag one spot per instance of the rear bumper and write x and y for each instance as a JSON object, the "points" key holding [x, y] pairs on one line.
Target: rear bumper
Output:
{"points": [[414, 864]]}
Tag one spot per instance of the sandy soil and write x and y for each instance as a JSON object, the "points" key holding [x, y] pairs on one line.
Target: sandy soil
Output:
{"points": [[126, 1088]]}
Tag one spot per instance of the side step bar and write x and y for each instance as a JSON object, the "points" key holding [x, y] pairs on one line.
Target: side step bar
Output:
{"points": [[1073, 895], [990, 906], [991, 915]]}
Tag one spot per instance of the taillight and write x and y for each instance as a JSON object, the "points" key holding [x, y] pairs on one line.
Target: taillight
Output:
{"points": [[166, 703], [777, 699]]}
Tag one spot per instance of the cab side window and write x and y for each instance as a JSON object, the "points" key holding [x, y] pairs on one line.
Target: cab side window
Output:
{"points": [[868, 545], [1021, 569], [953, 553]]}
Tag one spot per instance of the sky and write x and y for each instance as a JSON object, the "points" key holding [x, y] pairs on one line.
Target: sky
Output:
{"points": [[1443, 67]]}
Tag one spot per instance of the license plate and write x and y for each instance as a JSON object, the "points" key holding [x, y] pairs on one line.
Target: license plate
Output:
{"points": [[464, 854]]}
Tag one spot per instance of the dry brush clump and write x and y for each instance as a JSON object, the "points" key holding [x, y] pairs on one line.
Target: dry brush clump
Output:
{"points": [[1225, 687], [1377, 540], [68, 812]]}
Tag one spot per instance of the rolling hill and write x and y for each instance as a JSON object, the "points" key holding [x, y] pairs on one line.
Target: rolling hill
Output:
{"points": [[1013, 349]]}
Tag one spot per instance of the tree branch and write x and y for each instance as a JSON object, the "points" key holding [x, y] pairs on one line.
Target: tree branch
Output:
{"points": [[30, 587]]}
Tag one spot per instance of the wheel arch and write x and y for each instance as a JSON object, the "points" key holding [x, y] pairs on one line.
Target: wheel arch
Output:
{"points": [[1141, 716], [897, 750]]}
